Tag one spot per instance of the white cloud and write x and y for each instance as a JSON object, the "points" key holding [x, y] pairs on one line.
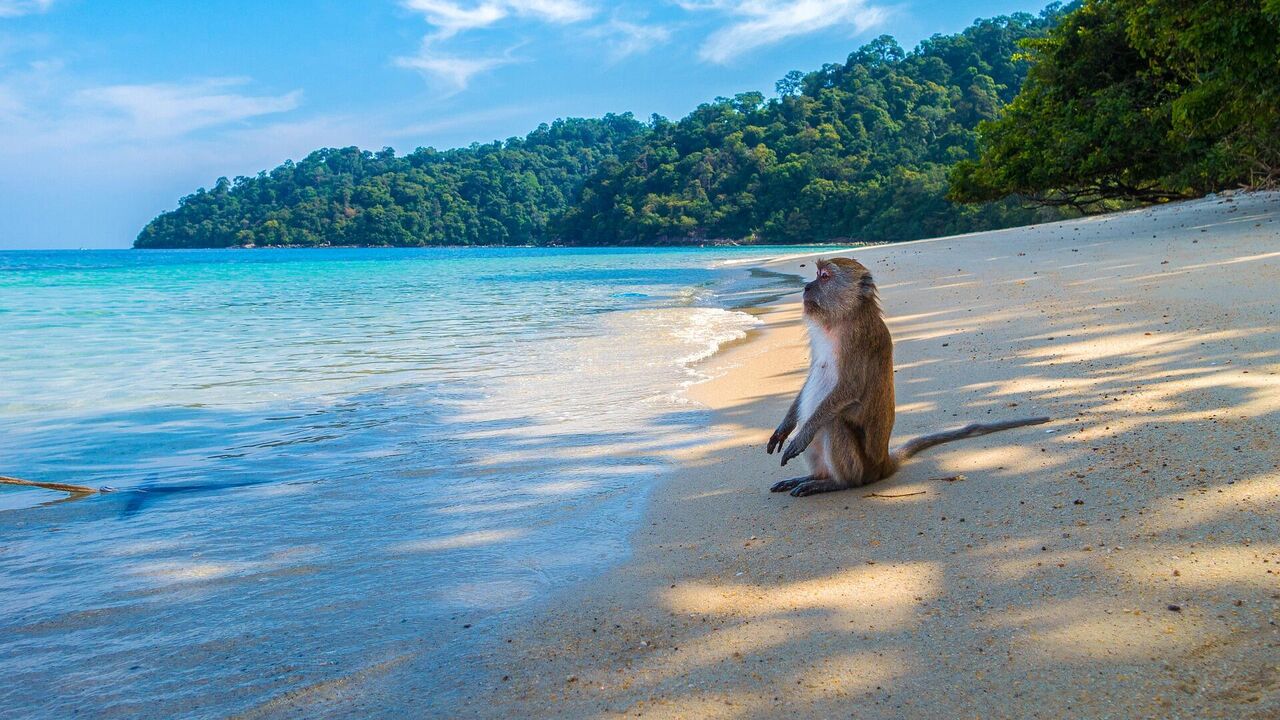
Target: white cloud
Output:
{"points": [[15, 8], [42, 106], [557, 11], [765, 22], [453, 71], [451, 17], [173, 109], [625, 38]]}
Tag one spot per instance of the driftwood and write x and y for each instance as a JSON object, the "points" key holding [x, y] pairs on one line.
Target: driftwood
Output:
{"points": [[77, 490], [898, 495], [949, 478]]}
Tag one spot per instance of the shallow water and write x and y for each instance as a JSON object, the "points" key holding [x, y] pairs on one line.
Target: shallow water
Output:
{"points": [[322, 458]]}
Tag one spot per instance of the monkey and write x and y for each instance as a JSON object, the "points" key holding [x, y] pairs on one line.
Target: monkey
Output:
{"points": [[845, 410]]}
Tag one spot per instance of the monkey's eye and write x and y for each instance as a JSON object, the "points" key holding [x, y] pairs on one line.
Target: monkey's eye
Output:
{"points": [[824, 274]]}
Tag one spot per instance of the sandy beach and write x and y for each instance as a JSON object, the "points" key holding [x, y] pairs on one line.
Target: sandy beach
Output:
{"points": [[1121, 561]]}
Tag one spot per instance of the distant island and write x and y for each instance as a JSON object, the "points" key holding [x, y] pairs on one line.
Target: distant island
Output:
{"points": [[1018, 119]]}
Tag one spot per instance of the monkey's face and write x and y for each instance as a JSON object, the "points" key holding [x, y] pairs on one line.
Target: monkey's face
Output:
{"points": [[841, 286]]}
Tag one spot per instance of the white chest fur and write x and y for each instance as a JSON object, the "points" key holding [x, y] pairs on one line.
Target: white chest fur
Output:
{"points": [[822, 371]]}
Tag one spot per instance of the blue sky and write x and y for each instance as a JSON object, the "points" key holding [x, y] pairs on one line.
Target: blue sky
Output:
{"points": [[110, 110]]}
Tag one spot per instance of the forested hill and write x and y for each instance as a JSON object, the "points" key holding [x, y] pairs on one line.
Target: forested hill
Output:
{"points": [[858, 150], [502, 193]]}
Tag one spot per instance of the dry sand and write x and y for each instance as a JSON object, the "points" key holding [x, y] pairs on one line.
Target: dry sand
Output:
{"points": [[1122, 561]]}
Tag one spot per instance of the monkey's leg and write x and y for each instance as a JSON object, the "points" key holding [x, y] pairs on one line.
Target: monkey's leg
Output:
{"points": [[835, 461], [828, 453], [850, 460], [818, 456]]}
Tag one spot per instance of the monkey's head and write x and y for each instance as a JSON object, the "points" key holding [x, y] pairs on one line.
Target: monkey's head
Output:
{"points": [[843, 286]]}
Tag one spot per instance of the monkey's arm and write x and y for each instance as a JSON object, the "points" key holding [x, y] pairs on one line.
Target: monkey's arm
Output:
{"points": [[832, 406], [785, 427]]}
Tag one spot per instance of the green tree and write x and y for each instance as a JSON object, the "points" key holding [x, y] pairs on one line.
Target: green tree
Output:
{"points": [[1225, 57], [1138, 100]]}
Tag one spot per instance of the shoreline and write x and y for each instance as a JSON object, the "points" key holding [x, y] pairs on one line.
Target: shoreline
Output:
{"points": [[452, 507], [999, 595], [692, 244]]}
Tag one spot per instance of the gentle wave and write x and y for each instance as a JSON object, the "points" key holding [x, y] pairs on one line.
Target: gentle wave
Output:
{"points": [[709, 329]]}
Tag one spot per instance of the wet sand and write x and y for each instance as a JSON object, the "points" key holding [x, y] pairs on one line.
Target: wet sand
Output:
{"points": [[1121, 561]]}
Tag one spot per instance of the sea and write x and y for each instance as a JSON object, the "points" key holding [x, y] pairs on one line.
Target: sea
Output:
{"points": [[317, 460]]}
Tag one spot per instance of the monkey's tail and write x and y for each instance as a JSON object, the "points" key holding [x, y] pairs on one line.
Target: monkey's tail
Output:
{"points": [[924, 442]]}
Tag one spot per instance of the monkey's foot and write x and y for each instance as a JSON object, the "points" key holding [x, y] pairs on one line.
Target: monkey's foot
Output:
{"points": [[785, 485], [797, 482], [813, 486]]}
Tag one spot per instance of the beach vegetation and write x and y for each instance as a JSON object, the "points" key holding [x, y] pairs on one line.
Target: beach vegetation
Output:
{"points": [[1139, 101]]}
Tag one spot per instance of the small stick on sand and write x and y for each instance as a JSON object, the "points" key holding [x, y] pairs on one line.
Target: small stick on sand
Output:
{"points": [[61, 487], [885, 495]]}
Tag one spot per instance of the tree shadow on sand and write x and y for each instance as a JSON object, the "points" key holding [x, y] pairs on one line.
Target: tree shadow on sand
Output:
{"points": [[1121, 561]]}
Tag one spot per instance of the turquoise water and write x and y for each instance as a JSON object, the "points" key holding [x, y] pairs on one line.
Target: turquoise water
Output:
{"points": [[323, 459]]}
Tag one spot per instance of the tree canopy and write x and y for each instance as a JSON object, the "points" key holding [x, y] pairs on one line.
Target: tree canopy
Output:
{"points": [[1140, 100], [500, 193], [856, 150], [859, 150]]}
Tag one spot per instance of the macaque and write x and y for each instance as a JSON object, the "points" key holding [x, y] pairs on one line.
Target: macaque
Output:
{"points": [[845, 409]]}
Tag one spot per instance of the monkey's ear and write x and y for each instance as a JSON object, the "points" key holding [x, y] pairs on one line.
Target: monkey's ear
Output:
{"points": [[867, 286]]}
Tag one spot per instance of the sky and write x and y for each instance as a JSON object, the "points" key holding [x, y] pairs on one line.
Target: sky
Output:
{"points": [[112, 110]]}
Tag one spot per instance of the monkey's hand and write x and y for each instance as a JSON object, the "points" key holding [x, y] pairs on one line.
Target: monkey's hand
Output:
{"points": [[795, 447], [778, 438]]}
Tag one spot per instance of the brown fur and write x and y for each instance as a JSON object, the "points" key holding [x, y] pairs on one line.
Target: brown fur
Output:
{"points": [[846, 438]]}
